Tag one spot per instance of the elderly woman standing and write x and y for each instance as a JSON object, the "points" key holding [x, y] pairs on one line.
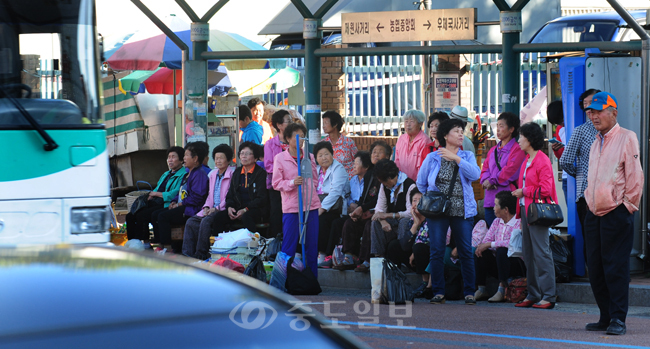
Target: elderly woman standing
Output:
{"points": [[436, 174], [536, 178], [344, 147], [502, 163], [333, 189], [286, 181], [408, 150]]}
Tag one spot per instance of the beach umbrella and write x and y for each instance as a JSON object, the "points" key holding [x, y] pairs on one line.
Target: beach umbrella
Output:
{"points": [[258, 81], [146, 50], [221, 41], [162, 81]]}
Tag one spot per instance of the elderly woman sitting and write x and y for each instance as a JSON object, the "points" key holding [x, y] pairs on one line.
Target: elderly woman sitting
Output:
{"points": [[198, 229], [409, 146], [333, 189], [393, 211]]}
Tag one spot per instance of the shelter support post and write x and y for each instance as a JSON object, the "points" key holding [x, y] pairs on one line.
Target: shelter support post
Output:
{"points": [[312, 82], [511, 26]]}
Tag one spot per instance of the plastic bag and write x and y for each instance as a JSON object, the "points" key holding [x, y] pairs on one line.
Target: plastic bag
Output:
{"points": [[376, 270], [561, 259], [395, 287], [274, 246], [514, 247], [226, 262], [338, 256], [135, 244], [301, 282], [255, 269], [279, 273], [232, 239]]}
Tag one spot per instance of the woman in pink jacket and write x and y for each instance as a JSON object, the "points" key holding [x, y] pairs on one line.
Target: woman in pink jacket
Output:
{"points": [[286, 181], [196, 239], [535, 180]]}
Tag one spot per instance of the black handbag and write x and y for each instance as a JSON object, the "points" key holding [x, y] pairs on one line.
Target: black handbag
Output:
{"points": [[338, 205], [543, 213], [434, 204], [395, 286]]}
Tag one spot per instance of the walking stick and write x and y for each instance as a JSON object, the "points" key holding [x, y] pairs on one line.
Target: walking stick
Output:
{"points": [[301, 226]]}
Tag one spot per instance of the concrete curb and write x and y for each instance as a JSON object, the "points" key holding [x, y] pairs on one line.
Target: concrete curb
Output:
{"points": [[574, 292]]}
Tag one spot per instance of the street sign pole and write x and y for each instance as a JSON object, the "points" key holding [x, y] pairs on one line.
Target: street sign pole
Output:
{"points": [[312, 36], [511, 25]]}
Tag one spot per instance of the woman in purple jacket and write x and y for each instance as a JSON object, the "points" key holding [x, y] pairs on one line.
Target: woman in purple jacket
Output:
{"points": [[190, 199], [502, 162]]}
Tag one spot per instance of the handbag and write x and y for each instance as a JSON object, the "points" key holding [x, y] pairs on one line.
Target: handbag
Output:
{"points": [[544, 213], [338, 205], [434, 204]]}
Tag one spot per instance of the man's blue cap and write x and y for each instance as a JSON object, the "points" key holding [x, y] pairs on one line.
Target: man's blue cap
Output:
{"points": [[603, 100]]}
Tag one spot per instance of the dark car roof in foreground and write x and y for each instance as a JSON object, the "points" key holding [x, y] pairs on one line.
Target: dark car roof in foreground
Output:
{"points": [[48, 291]]}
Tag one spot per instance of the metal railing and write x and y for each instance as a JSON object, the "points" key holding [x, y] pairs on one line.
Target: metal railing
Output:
{"points": [[379, 90]]}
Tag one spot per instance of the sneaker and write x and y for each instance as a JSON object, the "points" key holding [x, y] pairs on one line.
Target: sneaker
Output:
{"points": [[480, 295], [347, 264], [327, 263], [363, 268], [470, 300], [497, 298], [160, 251]]}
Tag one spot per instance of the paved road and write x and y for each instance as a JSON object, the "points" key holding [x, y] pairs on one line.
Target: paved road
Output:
{"points": [[456, 325]]}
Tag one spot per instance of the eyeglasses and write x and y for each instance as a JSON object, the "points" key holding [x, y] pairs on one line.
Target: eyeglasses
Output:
{"points": [[246, 153]]}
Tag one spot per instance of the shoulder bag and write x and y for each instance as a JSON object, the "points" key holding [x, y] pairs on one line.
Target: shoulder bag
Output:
{"points": [[544, 213], [434, 204]]}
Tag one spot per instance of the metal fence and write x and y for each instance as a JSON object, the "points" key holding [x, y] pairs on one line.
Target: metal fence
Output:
{"points": [[379, 90]]}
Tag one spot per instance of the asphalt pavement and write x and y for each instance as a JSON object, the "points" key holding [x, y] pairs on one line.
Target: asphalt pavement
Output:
{"points": [[485, 325]]}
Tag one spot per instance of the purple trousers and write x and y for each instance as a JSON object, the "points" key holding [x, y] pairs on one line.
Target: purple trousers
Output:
{"points": [[291, 238]]}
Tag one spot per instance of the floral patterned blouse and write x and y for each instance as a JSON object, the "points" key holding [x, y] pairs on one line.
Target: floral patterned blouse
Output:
{"points": [[344, 151]]}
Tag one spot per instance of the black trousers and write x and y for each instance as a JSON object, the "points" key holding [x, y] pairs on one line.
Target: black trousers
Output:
{"points": [[351, 235], [275, 220], [336, 234], [222, 221], [609, 244], [582, 213], [421, 254], [167, 218], [500, 266], [325, 221], [137, 225]]}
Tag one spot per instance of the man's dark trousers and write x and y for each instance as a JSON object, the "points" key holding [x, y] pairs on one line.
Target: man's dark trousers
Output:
{"points": [[609, 241]]}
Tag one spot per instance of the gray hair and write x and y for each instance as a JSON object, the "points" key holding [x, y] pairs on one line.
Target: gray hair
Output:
{"points": [[415, 114], [611, 109]]}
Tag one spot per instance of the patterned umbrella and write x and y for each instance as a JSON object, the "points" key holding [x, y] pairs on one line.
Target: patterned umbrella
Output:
{"points": [[146, 50], [161, 81]]}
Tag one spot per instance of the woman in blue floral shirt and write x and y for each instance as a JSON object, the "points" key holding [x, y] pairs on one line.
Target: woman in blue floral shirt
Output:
{"points": [[412, 247]]}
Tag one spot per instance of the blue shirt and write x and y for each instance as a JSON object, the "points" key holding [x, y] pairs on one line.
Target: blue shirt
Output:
{"points": [[253, 133], [356, 188], [217, 189]]}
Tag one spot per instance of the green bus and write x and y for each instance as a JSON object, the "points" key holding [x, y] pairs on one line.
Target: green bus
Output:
{"points": [[54, 186]]}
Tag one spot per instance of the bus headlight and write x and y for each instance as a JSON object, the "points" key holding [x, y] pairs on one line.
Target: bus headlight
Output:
{"points": [[89, 220]]}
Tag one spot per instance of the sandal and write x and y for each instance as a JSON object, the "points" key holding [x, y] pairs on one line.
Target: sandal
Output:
{"points": [[438, 299], [470, 300]]}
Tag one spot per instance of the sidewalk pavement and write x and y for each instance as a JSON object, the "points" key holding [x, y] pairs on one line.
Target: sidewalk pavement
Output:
{"points": [[574, 292]]}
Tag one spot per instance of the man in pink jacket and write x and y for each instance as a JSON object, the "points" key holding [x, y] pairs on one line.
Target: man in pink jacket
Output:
{"points": [[613, 193]]}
